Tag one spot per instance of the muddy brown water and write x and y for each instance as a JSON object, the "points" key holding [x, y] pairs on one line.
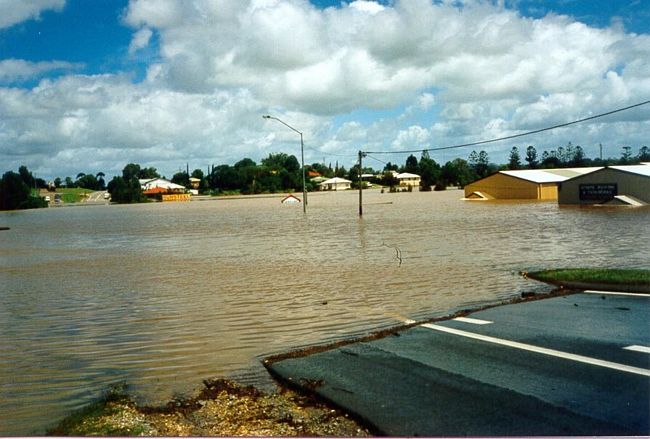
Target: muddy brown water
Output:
{"points": [[162, 296]]}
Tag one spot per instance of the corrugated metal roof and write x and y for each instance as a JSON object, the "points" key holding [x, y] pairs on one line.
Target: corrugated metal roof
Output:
{"points": [[634, 169], [407, 175], [549, 175]]}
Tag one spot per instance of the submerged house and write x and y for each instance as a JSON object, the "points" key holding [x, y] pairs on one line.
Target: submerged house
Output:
{"points": [[527, 184], [291, 199]]}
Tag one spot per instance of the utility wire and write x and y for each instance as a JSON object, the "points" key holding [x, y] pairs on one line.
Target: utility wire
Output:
{"points": [[513, 136], [329, 154], [374, 158]]}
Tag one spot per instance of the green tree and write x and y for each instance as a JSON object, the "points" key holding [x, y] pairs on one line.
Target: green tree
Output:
{"points": [[644, 154], [246, 172], [125, 191], [197, 173], [354, 176], [13, 191], [389, 179], [514, 161], [579, 159], [480, 163], [88, 181], [411, 164], [280, 161], [275, 162], [291, 164], [391, 167], [531, 157], [429, 172], [551, 160], [245, 163], [16, 194], [181, 178], [130, 171], [322, 169], [464, 172], [69, 183], [101, 183], [626, 155], [27, 177], [224, 177], [341, 172], [148, 173], [290, 180]]}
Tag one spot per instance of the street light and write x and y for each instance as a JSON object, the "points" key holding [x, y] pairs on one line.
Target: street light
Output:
{"points": [[302, 159]]}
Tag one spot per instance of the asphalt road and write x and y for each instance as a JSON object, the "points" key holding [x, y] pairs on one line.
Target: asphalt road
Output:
{"points": [[96, 198], [572, 365]]}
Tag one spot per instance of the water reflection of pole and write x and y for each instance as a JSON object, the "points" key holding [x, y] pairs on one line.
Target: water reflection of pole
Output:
{"points": [[302, 158]]}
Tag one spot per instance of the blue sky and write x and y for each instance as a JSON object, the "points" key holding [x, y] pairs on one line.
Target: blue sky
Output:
{"points": [[88, 86]]}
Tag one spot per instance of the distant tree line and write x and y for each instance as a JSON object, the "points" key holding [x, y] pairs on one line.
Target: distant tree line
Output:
{"points": [[281, 172], [572, 156], [276, 173]]}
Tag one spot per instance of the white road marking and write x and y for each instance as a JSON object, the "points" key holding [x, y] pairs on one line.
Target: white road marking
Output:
{"points": [[540, 350], [473, 321], [614, 293], [637, 348]]}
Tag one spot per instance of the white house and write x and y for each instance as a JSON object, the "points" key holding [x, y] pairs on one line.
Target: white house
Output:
{"points": [[406, 179], [335, 184]]}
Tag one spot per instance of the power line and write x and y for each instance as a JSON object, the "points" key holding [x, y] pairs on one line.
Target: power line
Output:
{"points": [[528, 133], [329, 154], [374, 158]]}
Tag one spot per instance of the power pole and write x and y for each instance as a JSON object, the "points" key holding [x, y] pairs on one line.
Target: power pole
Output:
{"points": [[601, 151], [361, 155]]}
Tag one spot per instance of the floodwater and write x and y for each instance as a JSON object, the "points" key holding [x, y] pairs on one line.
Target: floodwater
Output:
{"points": [[161, 296]]}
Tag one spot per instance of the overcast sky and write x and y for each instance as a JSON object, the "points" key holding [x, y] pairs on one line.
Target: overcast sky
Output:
{"points": [[89, 86]]}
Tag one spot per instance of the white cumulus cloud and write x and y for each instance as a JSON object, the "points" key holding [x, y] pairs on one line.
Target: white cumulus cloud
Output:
{"points": [[15, 11], [12, 70], [140, 40], [407, 75]]}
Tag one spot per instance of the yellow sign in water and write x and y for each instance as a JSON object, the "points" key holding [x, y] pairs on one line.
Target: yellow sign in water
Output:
{"points": [[176, 197]]}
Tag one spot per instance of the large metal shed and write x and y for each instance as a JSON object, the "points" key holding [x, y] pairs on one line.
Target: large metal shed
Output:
{"points": [[527, 184], [626, 185]]}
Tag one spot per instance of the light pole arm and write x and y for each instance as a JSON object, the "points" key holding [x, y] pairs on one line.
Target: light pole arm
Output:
{"points": [[282, 122], [302, 159]]}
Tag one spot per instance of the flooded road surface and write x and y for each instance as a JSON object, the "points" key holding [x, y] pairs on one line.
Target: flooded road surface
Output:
{"points": [[161, 296]]}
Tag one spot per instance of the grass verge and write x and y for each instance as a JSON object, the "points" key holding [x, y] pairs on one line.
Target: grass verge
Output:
{"points": [[73, 195], [593, 275]]}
